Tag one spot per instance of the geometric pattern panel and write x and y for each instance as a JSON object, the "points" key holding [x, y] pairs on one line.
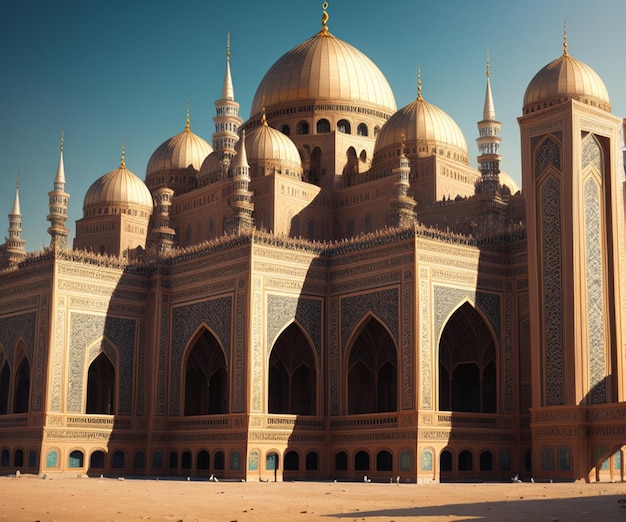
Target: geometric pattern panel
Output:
{"points": [[552, 292], [14, 327], [282, 309], [595, 299], [548, 154], [383, 304], [217, 314], [591, 154], [84, 330], [447, 299]]}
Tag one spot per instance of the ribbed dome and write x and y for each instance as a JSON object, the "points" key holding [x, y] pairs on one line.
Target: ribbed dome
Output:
{"points": [[211, 164], [271, 148], [121, 188], [324, 68], [183, 151], [563, 79], [422, 122]]}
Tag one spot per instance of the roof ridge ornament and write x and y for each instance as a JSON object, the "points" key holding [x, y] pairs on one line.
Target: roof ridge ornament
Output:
{"points": [[263, 117]]}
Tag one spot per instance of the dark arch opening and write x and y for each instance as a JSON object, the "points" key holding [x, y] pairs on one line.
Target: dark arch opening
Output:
{"points": [[384, 461], [292, 461], [486, 461], [466, 461], [22, 388], [96, 460], [341, 461], [292, 378], [323, 126], [101, 386], [5, 378], [362, 130], [344, 126], [362, 461], [315, 165], [203, 460], [445, 461], [467, 364], [372, 371], [311, 461], [206, 378]]}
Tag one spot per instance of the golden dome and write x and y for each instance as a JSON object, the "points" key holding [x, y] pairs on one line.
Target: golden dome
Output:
{"points": [[211, 165], [563, 79], [269, 150], [509, 182], [427, 126], [119, 188], [324, 68], [185, 151]]}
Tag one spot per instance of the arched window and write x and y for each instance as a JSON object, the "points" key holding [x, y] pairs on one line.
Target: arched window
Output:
{"points": [[292, 461], [285, 130], [362, 461], [362, 130], [344, 126], [117, 460], [372, 379], [96, 460], [466, 461], [206, 378], [185, 460], [292, 379], [311, 461], [18, 458], [203, 460], [486, 461], [323, 126], [315, 164], [22, 388], [341, 461], [384, 461], [445, 461], [139, 460], [101, 386], [302, 127], [218, 459], [75, 460], [173, 461]]}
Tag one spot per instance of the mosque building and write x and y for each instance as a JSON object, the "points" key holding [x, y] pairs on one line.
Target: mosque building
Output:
{"points": [[329, 290]]}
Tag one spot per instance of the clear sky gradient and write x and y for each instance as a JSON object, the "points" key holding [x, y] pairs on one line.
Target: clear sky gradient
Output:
{"points": [[110, 72]]}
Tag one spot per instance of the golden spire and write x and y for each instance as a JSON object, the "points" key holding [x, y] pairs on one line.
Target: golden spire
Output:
{"points": [[188, 121], [228, 46], [62, 139], [488, 65], [419, 81], [17, 180], [123, 164], [564, 37], [324, 19]]}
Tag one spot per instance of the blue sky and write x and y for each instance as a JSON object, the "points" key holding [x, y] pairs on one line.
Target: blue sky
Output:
{"points": [[110, 72]]}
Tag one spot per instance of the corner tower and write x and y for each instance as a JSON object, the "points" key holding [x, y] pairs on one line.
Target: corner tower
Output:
{"points": [[58, 203]]}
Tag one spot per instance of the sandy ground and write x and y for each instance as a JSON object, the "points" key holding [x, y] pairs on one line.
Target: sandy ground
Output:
{"points": [[32, 499]]}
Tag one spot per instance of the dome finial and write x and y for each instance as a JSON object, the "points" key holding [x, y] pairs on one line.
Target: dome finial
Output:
{"points": [[17, 180], [62, 139], [419, 81], [123, 163], [488, 65], [228, 46], [564, 37], [324, 18], [188, 120]]}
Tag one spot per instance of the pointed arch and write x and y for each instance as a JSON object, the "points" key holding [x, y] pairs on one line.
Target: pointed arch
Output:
{"points": [[292, 373], [205, 375], [100, 395], [467, 362], [5, 383], [372, 368], [21, 385]]}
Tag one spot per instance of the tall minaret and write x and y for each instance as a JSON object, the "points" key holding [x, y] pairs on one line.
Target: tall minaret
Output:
{"points": [[402, 205], [14, 243], [227, 120], [241, 199], [58, 203], [489, 143]]}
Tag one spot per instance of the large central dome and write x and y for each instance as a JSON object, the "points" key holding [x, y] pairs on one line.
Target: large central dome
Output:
{"points": [[324, 68]]}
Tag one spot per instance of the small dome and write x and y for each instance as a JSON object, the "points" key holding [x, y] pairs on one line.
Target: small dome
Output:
{"points": [[211, 165], [184, 152], [118, 188], [563, 79], [509, 182], [324, 69], [422, 123], [271, 149]]}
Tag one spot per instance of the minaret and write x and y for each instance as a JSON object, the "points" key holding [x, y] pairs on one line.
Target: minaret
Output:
{"points": [[402, 205], [489, 143], [227, 120], [14, 243], [241, 200], [162, 235], [58, 203]]}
